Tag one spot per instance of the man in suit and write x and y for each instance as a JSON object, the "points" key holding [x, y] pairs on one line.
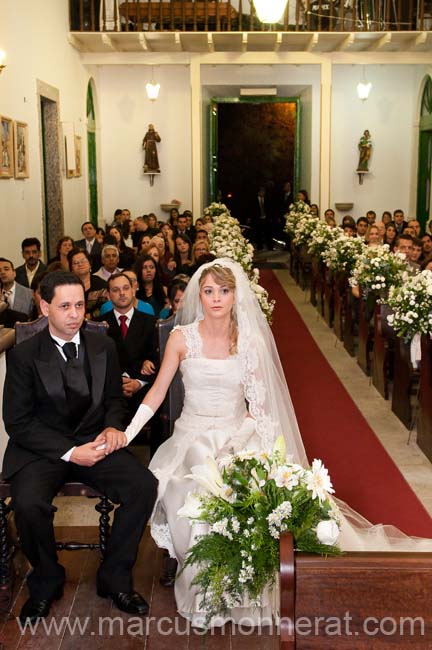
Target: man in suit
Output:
{"points": [[18, 298], [262, 220], [399, 221], [32, 267], [62, 391], [90, 244], [134, 334]]}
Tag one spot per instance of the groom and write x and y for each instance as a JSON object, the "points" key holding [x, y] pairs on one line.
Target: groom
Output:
{"points": [[62, 391]]}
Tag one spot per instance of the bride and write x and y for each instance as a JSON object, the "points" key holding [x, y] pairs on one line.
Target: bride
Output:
{"points": [[236, 398]]}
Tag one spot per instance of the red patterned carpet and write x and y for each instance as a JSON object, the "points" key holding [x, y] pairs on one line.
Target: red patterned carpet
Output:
{"points": [[334, 429]]}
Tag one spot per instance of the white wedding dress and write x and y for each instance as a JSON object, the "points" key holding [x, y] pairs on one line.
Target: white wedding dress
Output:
{"points": [[213, 412], [214, 409]]}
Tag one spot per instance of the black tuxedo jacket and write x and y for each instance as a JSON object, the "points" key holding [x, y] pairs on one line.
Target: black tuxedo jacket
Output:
{"points": [[34, 401], [139, 344], [95, 253], [21, 273]]}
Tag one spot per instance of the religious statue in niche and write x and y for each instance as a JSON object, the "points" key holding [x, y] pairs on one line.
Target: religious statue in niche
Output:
{"points": [[151, 162], [365, 150]]}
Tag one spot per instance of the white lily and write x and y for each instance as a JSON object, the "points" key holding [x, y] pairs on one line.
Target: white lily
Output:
{"points": [[208, 476], [318, 481], [192, 507]]}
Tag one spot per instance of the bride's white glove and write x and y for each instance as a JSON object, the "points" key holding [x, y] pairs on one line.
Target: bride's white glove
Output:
{"points": [[239, 439], [141, 417]]}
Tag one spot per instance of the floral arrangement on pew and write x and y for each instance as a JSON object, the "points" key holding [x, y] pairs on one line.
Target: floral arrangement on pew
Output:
{"points": [[304, 228], [226, 240], [246, 508], [412, 306], [321, 238], [297, 211], [216, 209], [377, 269], [342, 253]]}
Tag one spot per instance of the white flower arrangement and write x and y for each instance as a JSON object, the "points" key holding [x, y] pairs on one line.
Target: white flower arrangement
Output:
{"points": [[304, 228], [412, 306], [342, 253], [377, 269], [321, 238], [226, 240], [216, 209], [238, 556], [297, 211]]}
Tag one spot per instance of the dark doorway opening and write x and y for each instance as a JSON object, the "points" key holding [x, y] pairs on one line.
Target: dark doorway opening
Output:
{"points": [[254, 143]]}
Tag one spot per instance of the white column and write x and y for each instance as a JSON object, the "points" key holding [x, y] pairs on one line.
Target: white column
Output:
{"points": [[325, 134], [196, 129]]}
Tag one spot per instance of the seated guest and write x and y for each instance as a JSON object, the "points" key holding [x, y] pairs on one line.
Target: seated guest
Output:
{"points": [[199, 223], [362, 226], [110, 258], [153, 227], [17, 297], [167, 233], [118, 217], [174, 214], [409, 230], [373, 237], [90, 244], [35, 287], [417, 250], [64, 245], [390, 235], [386, 217], [190, 228], [399, 221], [127, 255], [381, 229], [404, 244], [31, 251], [134, 335], [141, 228], [415, 225], [140, 305], [371, 216], [128, 229], [100, 235], [349, 221], [329, 214], [427, 247], [349, 229], [151, 289], [183, 254], [175, 294], [94, 287], [58, 433], [167, 264], [181, 225], [314, 210], [200, 248], [201, 234]]}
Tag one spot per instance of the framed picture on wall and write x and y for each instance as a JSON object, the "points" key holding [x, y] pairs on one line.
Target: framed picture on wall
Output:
{"points": [[21, 150], [6, 154], [77, 156]]}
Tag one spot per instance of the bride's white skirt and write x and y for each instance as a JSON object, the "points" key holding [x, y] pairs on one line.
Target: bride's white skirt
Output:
{"points": [[192, 442]]}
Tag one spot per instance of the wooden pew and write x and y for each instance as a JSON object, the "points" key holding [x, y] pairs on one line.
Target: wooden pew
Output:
{"points": [[404, 381], [305, 263], [382, 353], [328, 296], [356, 601], [424, 424], [314, 280], [320, 287], [365, 333], [339, 287], [350, 310]]}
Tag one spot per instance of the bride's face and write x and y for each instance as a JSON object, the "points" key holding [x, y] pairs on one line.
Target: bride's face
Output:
{"points": [[217, 300]]}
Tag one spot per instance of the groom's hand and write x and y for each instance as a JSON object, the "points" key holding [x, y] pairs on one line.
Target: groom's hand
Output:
{"points": [[113, 439], [87, 455]]}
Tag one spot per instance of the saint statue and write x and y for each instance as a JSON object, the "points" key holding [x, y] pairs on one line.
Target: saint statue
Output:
{"points": [[365, 149], [151, 162]]}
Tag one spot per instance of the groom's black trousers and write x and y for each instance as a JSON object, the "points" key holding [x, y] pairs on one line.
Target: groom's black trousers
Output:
{"points": [[121, 478]]}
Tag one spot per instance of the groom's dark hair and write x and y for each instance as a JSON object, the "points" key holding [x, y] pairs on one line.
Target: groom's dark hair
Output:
{"points": [[56, 279]]}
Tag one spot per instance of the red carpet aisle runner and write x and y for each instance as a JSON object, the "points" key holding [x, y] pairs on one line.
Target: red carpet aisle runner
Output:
{"points": [[334, 430]]}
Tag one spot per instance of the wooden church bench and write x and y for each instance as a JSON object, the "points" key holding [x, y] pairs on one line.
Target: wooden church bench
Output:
{"points": [[405, 381], [355, 601], [424, 422]]}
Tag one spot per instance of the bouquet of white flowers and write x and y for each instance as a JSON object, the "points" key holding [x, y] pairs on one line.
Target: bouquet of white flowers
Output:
{"points": [[377, 269], [247, 506], [304, 228], [342, 253], [412, 306], [216, 209], [262, 295], [321, 238], [296, 212]]}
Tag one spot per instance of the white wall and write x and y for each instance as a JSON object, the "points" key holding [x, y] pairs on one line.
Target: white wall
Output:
{"points": [[34, 35], [391, 116], [125, 113]]}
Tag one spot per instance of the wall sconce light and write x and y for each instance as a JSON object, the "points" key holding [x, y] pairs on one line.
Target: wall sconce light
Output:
{"points": [[152, 89], [270, 11], [364, 87], [2, 58]]}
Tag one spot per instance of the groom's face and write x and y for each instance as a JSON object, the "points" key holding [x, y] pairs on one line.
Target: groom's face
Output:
{"points": [[66, 311]]}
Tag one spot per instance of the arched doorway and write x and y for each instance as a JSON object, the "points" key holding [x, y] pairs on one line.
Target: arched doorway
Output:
{"points": [[425, 156], [91, 149]]}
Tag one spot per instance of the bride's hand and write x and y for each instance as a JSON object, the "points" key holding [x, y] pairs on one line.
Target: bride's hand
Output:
{"points": [[113, 438]]}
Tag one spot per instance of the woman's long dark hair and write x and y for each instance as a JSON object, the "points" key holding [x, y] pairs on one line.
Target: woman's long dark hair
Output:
{"points": [[158, 292], [177, 256]]}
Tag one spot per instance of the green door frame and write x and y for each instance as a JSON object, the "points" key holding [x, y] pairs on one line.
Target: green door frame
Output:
{"points": [[91, 156], [424, 172], [213, 131]]}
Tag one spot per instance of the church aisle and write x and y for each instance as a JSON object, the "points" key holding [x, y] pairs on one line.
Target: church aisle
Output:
{"points": [[333, 427]]}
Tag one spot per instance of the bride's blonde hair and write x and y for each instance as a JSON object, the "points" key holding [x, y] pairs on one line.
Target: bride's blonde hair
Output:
{"points": [[224, 277]]}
